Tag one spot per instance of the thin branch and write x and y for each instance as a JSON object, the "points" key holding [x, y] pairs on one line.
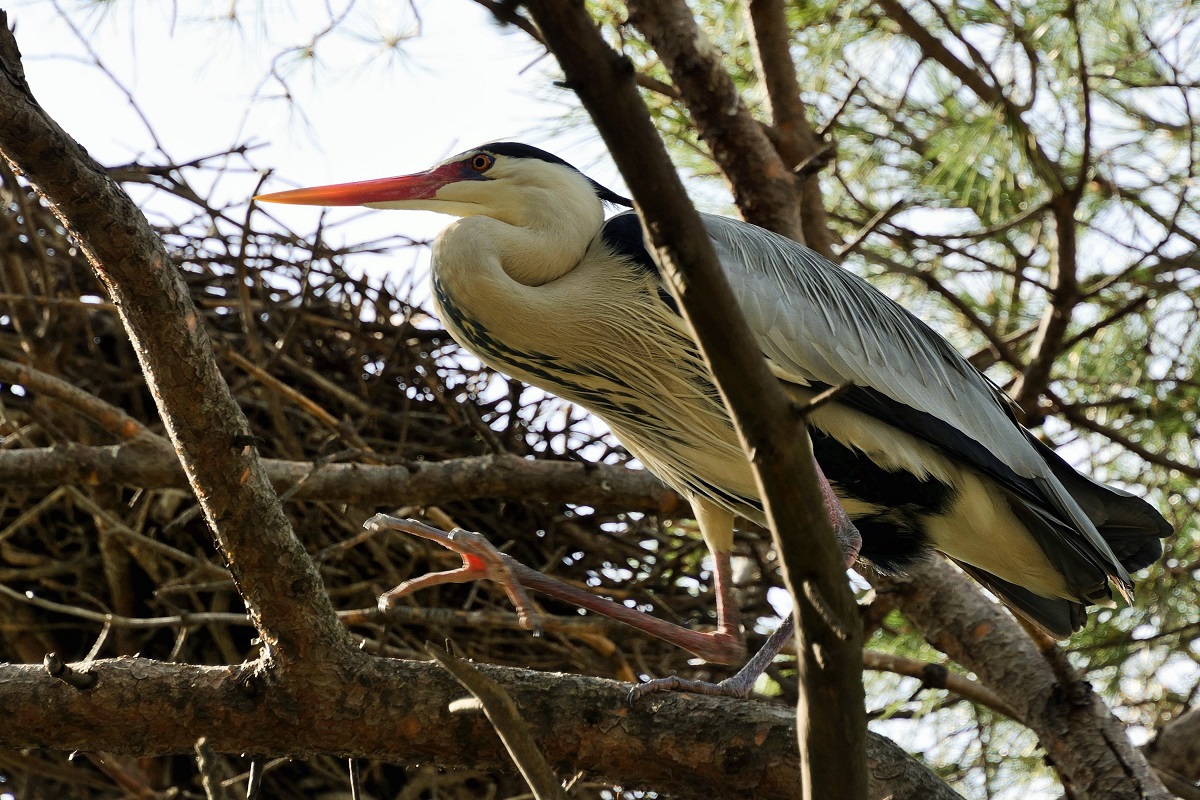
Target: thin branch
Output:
{"points": [[936, 676], [1077, 417], [118, 621], [933, 48], [506, 719], [106, 415]]}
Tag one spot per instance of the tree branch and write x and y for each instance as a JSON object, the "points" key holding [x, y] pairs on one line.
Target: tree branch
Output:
{"points": [[832, 719], [1085, 743], [764, 188], [936, 676], [1077, 417], [107, 416], [933, 48], [278, 580], [794, 137], [601, 486], [398, 711]]}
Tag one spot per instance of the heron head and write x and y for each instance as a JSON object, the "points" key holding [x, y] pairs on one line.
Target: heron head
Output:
{"points": [[508, 181]]}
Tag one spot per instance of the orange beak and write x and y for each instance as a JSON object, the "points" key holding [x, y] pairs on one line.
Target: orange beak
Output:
{"points": [[421, 186]]}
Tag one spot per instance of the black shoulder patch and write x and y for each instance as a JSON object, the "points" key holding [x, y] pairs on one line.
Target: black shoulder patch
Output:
{"points": [[623, 235], [520, 150]]}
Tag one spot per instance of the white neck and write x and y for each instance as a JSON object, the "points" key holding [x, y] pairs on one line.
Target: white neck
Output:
{"points": [[536, 234]]}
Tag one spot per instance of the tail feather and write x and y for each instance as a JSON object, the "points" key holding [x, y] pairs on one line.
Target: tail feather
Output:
{"points": [[1060, 618], [1131, 526]]}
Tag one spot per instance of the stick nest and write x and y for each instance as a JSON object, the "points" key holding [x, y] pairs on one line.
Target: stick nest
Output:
{"points": [[328, 368]]}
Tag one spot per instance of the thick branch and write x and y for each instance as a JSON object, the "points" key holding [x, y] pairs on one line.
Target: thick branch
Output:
{"points": [[794, 137], [832, 724], [601, 486], [397, 711], [1176, 746], [277, 579], [1084, 741], [763, 186]]}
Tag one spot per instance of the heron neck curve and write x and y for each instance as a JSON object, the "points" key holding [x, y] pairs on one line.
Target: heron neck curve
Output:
{"points": [[536, 237]]}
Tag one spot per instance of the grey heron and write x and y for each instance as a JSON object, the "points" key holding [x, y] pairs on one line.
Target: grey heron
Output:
{"points": [[921, 453]]}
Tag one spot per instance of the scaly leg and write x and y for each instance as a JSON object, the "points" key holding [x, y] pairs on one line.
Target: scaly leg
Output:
{"points": [[481, 560], [725, 645], [741, 684]]}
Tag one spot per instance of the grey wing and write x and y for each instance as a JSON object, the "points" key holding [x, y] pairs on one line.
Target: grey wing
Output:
{"points": [[818, 322]]}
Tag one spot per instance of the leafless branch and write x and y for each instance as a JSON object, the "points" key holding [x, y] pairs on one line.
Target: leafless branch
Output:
{"points": [[831, 725]]}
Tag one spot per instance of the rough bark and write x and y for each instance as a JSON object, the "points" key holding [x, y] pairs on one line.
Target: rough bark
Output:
{"points": [[793, 135], [829, 639], [398, 711], [601, 486], [1086, 744], [764, 187], [1176, 746]]}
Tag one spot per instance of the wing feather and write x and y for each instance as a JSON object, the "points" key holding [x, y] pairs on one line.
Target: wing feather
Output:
{"points": [[820, 323]]}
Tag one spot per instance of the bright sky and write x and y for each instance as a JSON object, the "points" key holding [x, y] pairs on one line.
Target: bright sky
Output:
{"points": [[364, 111]]}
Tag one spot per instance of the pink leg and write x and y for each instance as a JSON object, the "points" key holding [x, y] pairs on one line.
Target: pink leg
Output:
{"points": [[722, 646], [482, 561], [847, 535], [741, 684]]}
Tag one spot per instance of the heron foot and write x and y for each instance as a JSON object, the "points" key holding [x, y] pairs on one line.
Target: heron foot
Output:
{"points": [[739, 685], [730, 687], [481, 561]]}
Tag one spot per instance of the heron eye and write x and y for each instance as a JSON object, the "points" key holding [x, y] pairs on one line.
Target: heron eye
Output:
{"points": [[481, 162]]}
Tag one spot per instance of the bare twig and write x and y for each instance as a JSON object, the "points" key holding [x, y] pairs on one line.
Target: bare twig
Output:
{"points": [[506, 719]]}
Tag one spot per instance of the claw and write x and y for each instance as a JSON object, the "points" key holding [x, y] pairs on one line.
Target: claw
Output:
{"points": [[481, 561], [730, 687]]}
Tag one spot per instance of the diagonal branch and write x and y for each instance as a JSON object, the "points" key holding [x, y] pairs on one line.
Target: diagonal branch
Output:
{"points": [[933, 48], [832, 723], [281, 585], [763, 186], [1085, 743], [502, 712], [1077, 417], [794, 137], [107, 416]]}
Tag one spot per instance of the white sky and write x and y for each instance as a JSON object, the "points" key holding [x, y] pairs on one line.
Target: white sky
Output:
{"points": [[363, 112]]}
